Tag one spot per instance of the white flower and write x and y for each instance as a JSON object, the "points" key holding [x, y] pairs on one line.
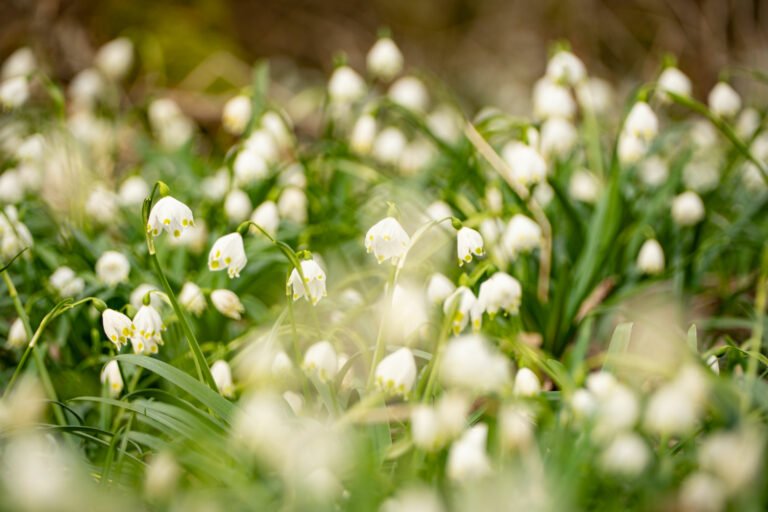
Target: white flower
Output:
{"points": [[263, 144], [396, 373], [433, 427], [413, 499], [227, 303], [439, 288], [279, 127], [17, 334], [192, 298], [584, 186], [650, 260], [595, 94], [22, 62], [748, 123], [526, 165], [194, 238], [416, 156], [558, 137], [701, 176], [618, 409], [552, 100], [500, 292], [345, 85], [673, 80], [169, 215], [583, 403], [687, 209], [112, 268], [626, 455], [148, 328], [161, 476], [321, 359], [601, 384], [468, 243], [363, 134], [216, 187], [517, 427], [249, 167], [467, 459], [387, 240], [735, 457], [236, 114], [133, 191], [292, 205], [653, 171], [228, 252], [222, 376], [630, 148], [115, 58], [237, 206], [564, 67], [102, 205], [526, 383], [522, 235], [439, 210], [641, 122], [409, 92], [110, 375], [671, 411], [66, 283], [32, 150], [118, 327], [702, 492], [384, 59], [466, 306], [267, 216], [389, 145], [11, 187], [86, 88], [724, 100], [313, 287], [14, 92], [471, 362], [703, 134]]}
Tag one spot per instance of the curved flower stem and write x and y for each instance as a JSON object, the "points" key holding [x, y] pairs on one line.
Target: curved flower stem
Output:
{"points": [[286, 249]]}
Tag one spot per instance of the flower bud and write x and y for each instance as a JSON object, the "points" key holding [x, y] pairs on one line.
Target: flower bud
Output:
{"points": [[687, 209], [227, 303], [237, 206], [409, 92], [384, 59], [112, 268], [345, 85], [222, 376], [17, 335], [321, 359], [396, 373], [192, 299], [673, 80], [650, 260], [110, 375], [115, 58], [566, 68], [236, 114], [724, 101], [526, 383]]}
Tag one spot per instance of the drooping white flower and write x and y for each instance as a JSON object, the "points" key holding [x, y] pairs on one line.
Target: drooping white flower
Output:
{"points": [[701, 176], [236, 114], [389, 145], [470, 362], [14, 92], [227, 303], [466, 307], [630, 148], [446, 123], [267, 216], [118, 327], [552, 100], [86, 88], [522, 235], [263, 144], [595, 95], [102, 205], [410, 92], [526, 383], [671, 411], [650, 259], [321, 359], [32, 149], [526, 165], [558, 137], [279, 126], [439, 288], [249, 167], [222, 376], [467, 459], [439, 211], [313, 286], [363, 134], [675, 81], [735, 457], [626, 455], [434, 426], [215, 187], [237, 206], [748, 123], [112, 268], [618, 409], [583, 404], [702, 492], [566, 68], [584, 186], [500, 292], [111, 376], [292, 205], [653, 171], [115, 58], [468, 243], [517, 427], [687, 209], [169, 215], [191, 297], [724, 100], [228, 252], [384, 59], [641, 122], [21, 62], [345, 85], [66, 283], [387, 240], [396, 373], [147, 333], [133, 191], [11, 187], [17, 334]]}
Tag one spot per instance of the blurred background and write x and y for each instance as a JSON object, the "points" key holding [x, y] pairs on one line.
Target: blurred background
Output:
{"points": [[488, 51]]}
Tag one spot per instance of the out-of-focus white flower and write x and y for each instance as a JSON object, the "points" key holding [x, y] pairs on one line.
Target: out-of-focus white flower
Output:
{"points": [[237, 206], [601, 384], [583, 404], [701, 176], [748, 122], [86, 88], [491, 229], [11, 187], [618, 409], [147, 333], [641, 122], [345, 85], [110, 375], [471, 362], [293, 176], [363, 134], [752, 177], [416, 156], [14, 235], [650, 259], [724, 100], [118, 327], [517, 427], [161, 476], [703, 134], [263, 144], [387, 240], [133, 191], [279, 127], [407, 314], [281, 364], [595, 95], [467, 459], [713, 364], [169, 123], [410, 92], [446, 123], [466, 307], [630, 148], [384, 59], [468, 243], [102, 205], [191, 297], [626, 455], [584, 186], [389, 145], [500, 292], [522, 235], [434, 426], [194, 238], [558, 137], [552, 100], [671, 411], [687, 209], [653, 171], [526, 383], [292, 205], [396, 373], [66, 283], [734, 457], [249, 167], [702, 492], [227, 303], [222, 376], [321, 359], [236, 114], [17, 335], [262, 424], [566, 68], [413, 500], [216, 187], [115, 58], [169, 215], [21, 62], [675, 81], [526, 165], [14, 92], [312, 287], [112, 267], [439, 210], [32, 149], [267, 216], [439, 288]]}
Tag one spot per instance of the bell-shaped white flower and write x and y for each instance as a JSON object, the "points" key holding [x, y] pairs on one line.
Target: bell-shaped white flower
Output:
{"points": [[650, 259], [267, 216], [526, 165], [11, 187], [169, 215], [558, 137], [292, 205], [133, 191], [468, 243], [363, 134], [434, 426], [17, 334], [86, 88], [215, 187], [439, 288], [517, 427], [466, 307], [687, 209], [263, 144], [653, 171], [115, 58], [112, 268], [249, 167], [439, 211], [470, 362], [156, 297], [631, 148], [522, 235], [410, 92], [724, 100], [345, 85], [552, 100], [228, 252], [321, 360], [192, 299], [279, 127], [118, 327], [66, 283], [384, 59], [702, 492], [147, 333], [21, 62], [641, 122], [14, 92], [222, 376], [500, 292], [566, 68], [227, 303], [387, 240], [389, 145], [671, 411], [467, 459], [526, 383], [102, 205], [313, 286], [396, 373], [626, 455], [595, 95], [584, 186], [675, 81], [236, 114], [110, 375], [748, 122], [237, 206]]}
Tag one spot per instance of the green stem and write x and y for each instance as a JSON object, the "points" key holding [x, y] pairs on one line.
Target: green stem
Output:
{"points": [[432, 367], [378, 351], [756, 341]]}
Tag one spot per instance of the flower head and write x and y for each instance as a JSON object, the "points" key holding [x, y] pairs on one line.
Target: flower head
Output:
{"points": [[148, 327], [384, 59], [66, 282], [228, 252], [687, 209], [467, 459], [345, 85], [500, 292], [110, 375], [470, 362], [236, 114], [410, 92], [112, 268], [114, 59], [468, 242], [169, 215], [527, 166], [641, 122], [522, 235], [564, 67], [650, 260], [222, 376], [526, 383], [673, 80], [313, 286], [227, 303], [192, 298], [465, 306], [387, 240], [724, 100], [396, 373], [439, 288], [118, 327], [17, 334], [321, 359]]}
